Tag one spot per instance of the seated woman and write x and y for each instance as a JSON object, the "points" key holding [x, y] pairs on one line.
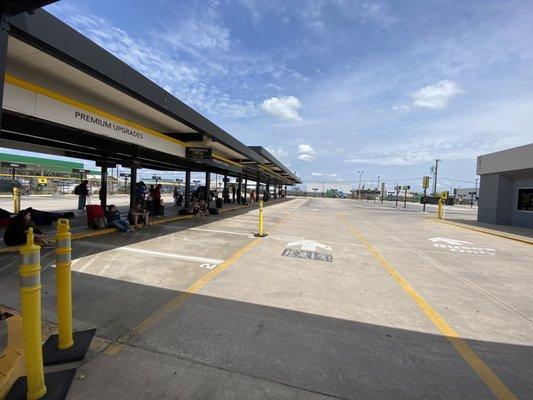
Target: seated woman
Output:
{"points": [[15, 234], [137, 214], [202, 209], [115, 220]]}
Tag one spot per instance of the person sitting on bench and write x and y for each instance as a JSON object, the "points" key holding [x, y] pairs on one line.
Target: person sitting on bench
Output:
{"points": [[137, 214], [15, 234], [115, 220]]}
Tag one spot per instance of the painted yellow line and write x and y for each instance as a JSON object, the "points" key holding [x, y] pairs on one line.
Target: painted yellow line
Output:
{"points": [[497, 387]]}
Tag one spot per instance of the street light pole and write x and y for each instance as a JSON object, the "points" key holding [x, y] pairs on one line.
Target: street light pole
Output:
{"points": [[376, 191], [435, 174], [359, 191]]}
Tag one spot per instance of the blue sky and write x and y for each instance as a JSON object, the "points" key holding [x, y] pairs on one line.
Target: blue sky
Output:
{"points": [[332, 87]]}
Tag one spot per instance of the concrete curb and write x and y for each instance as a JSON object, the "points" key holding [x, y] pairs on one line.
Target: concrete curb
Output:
{"points": [[12, 356], [487, 231], [163, 220]]}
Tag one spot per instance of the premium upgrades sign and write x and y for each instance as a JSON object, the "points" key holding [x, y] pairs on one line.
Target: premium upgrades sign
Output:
{"points": [[199, 152], [44, 107]]}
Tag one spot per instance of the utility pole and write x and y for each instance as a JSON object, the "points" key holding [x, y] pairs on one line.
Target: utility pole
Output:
{"points": [[377, 188], [359, 191], [435, 174], [476, 194]]}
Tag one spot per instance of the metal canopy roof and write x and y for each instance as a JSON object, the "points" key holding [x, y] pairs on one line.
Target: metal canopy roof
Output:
{"points": [[50, 35], [274, 164], [47, 54]]}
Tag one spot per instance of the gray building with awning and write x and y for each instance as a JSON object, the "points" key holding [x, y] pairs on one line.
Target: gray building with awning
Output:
{"points": [[506, 187]]}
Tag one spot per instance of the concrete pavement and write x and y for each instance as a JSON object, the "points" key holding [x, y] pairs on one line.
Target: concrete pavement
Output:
{"points": [[200, 309]]}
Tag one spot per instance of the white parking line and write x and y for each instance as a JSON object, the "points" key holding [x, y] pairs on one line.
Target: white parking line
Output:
{"points": [[209, 230], [130, 249]]}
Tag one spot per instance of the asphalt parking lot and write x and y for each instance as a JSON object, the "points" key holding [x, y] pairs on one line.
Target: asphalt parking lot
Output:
{"points": [[342, 300]]}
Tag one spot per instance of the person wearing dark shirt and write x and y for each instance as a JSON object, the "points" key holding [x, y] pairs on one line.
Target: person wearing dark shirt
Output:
{"points": [[83, 193], [15, 234], [115, 220], [157, 200]]}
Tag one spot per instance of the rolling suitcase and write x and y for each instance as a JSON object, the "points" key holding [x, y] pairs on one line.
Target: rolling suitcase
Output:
{"points": [[93, 212], [219, 202]]}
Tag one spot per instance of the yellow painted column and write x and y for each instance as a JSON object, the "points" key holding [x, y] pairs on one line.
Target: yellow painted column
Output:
{"points": [[63, 252], [439, 210], [30, 296], [16, 199]]}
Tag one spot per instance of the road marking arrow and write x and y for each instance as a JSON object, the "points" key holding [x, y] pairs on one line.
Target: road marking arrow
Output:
{"points": [[449, 241], [309, 245]]}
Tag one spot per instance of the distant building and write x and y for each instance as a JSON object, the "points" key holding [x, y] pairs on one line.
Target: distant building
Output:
{"points": [[465, 195], [506, 187]]}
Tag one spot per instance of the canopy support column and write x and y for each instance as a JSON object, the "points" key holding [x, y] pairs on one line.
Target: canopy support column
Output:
{"points": [[239, 181], [187, 187], [257, 188], [103, 186], [133, 186], [207, 188], [245, 187]]}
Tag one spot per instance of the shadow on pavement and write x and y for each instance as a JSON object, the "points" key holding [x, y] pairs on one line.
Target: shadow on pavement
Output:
{"points": [[325, 355]]}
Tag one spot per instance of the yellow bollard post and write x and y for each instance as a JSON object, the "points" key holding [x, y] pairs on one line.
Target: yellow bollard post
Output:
{"points": [[67, 345], [439, 210], [64, 284], [260, 234], [30, 294], [16, 199]]}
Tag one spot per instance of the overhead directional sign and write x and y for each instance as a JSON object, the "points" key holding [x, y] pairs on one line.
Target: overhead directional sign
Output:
{"points": [[7, 164], [199, 152]]}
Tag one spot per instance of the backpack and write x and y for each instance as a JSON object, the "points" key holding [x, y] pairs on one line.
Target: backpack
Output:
{"points": [[77, 189]]}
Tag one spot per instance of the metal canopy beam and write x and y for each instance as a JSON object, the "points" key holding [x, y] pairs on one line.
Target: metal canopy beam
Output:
{"points": [[86, 145], [13, 7]]}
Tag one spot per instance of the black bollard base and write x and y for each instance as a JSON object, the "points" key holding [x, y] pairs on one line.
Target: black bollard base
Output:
{"points": [[52, 355], [263, 235], [57, 386]]}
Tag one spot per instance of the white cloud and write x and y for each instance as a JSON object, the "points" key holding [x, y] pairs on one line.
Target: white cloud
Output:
{"points": [[401, 108], [165, 64], [279, 153], [426, 149], [305, 152], [285, 108], [326, 175], [436, 96]]}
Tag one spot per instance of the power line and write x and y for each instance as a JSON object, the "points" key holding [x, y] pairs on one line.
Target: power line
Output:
{"points": [[457, 180]]}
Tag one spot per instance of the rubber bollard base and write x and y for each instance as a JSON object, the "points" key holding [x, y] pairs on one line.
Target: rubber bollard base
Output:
{"points": [[263, 235], [57, 386], [52, 355]]}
